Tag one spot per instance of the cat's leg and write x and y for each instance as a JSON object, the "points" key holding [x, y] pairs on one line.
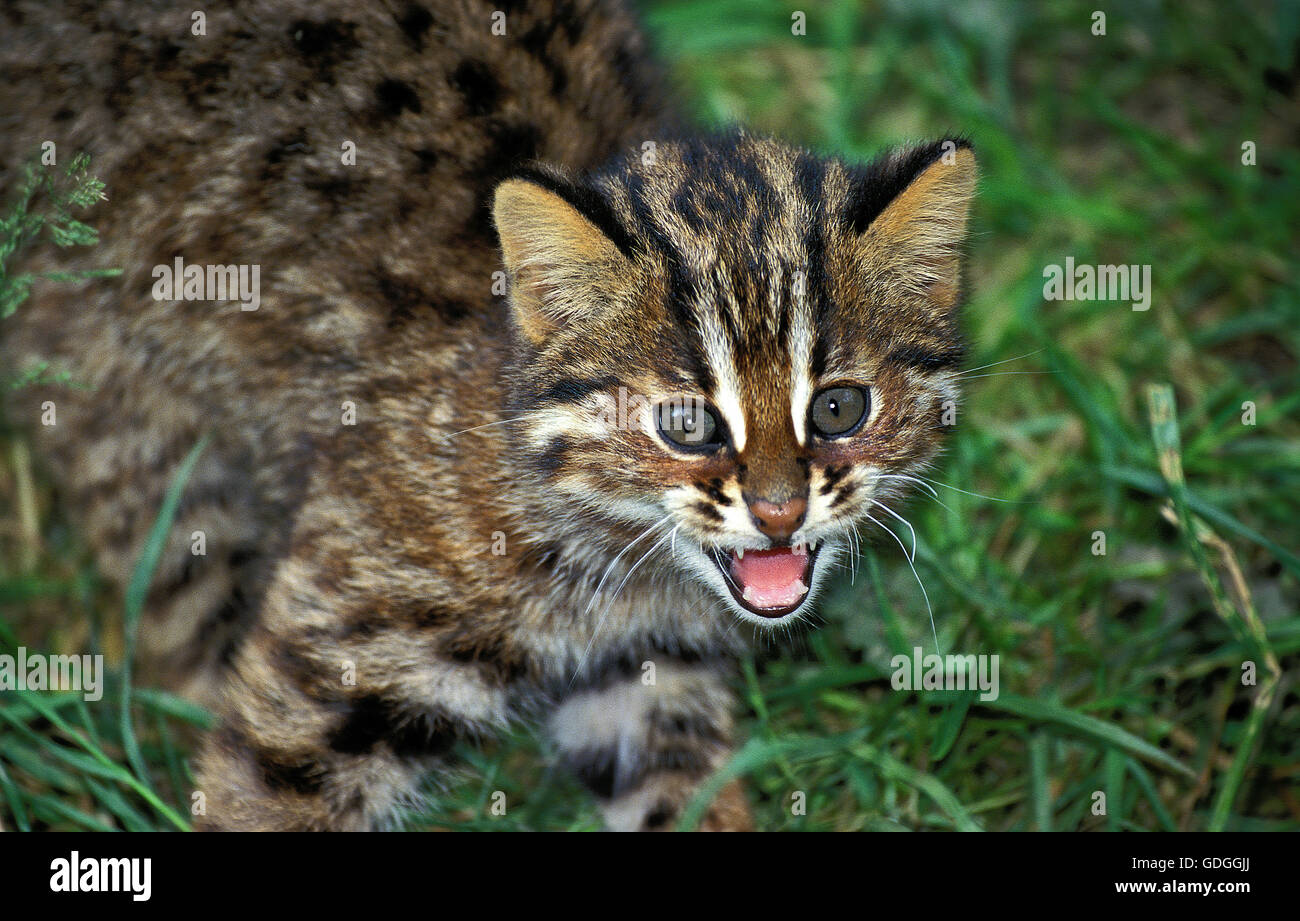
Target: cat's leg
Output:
{"points": [[643, 743], [333, 713]]}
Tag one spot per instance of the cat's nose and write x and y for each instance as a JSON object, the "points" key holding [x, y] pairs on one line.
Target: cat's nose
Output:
{"points": [[778, 520]]}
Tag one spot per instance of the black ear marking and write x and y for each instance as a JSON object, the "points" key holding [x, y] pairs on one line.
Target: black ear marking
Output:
{"points": [[882, 180], [588, 202]]}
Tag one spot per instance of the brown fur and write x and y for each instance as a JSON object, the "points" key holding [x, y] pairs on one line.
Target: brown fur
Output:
{"points": [[374, 591]]}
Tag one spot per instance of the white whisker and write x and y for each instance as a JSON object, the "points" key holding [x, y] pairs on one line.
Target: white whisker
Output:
{"points": [[490, 424], [614, 597], [1004, 361], [1001, 373], [967, 492], [924, 593], [910, 479], [903, 520], [930, 490], [612, 563]]}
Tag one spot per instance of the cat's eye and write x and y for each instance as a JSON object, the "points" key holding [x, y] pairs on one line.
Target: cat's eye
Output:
{"points": [[688, 424], [839, 410]]}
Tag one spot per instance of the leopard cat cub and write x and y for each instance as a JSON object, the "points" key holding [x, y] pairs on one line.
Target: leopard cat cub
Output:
{"points": [[542, 400]]}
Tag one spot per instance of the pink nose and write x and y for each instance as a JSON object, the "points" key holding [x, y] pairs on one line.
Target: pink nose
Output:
{"points": [[778, 521]]}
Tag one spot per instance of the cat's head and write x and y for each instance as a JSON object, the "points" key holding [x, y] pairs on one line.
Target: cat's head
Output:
{"points": [[737, 346]]}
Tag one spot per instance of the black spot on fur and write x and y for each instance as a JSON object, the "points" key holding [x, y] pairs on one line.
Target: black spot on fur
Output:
{"points": [[491, 654], [320, 38], [425, 736], [395, 97], [451, 310], [324, 45], [475, 82], [713, 490], [707, 511], [414, 22], [513, 143], [832, 477], [361, 627], [596, 771], [553, 456], [280, 770], [535, 42], [510, 144], [426, 160], [241, 554], [545, 555], [629, 72], [298, 667], [304, 776], [844, 495], [407, 301], [203, 83], [685, 726], [234, 609], [334, 189], [404, 298], [371, 720], [167, 53], [365, 725], [282, 148], [569, 18], [430, 615], [659, 818]]}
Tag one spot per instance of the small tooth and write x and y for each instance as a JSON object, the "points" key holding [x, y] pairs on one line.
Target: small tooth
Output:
{"points": [[800, 587], [740, 553], [748, 595], [800, 549]]}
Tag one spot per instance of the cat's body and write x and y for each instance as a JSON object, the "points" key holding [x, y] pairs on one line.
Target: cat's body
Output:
{"points": [[390, 564]]}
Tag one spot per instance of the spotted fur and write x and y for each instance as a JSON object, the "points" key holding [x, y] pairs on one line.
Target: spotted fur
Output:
{"points": [[490, 539]]}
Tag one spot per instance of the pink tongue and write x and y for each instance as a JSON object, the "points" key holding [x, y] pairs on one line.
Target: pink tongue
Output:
{"points": [[770, 578]]}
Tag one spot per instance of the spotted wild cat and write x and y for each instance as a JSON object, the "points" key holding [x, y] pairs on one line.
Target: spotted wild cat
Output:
{"points": [[426, 511]]}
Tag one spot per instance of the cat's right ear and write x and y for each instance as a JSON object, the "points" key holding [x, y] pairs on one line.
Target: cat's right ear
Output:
{"points": [[909, 210], [560, 264]]}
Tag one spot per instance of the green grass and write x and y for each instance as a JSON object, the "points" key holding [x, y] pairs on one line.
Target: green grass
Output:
{"points": [[1120, 673]]}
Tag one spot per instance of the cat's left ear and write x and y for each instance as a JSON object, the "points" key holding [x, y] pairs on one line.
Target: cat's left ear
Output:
{"points": [[909, 211]]}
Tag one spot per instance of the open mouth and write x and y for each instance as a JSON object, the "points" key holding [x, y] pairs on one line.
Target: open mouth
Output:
{"points": [[768, 583]]}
